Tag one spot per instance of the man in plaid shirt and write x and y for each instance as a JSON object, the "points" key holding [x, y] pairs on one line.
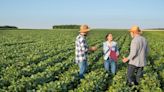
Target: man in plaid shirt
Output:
{"points": [[82, 49]]}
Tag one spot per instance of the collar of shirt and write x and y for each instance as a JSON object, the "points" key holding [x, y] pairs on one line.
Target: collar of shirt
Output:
{"points": [[81, 35], [136, 36], [110, 44]]}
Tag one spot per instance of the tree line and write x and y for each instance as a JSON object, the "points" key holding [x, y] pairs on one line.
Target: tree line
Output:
{"points": [[66, 27], [8, 27]]}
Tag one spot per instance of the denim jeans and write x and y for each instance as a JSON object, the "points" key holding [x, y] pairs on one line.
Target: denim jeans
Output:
{"points": [[83, 67], [110, 64], [134, 73]]}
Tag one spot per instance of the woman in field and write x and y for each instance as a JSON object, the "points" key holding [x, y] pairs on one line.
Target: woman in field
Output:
{"points": [[111, 54]]}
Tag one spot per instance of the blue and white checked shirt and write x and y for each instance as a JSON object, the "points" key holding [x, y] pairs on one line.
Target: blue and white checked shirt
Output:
{"points": [[81, 49]]}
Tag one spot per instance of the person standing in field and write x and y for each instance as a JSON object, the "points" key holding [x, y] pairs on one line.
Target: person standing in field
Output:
{"points": [[82, 49], [137, 57], [111, 53]]}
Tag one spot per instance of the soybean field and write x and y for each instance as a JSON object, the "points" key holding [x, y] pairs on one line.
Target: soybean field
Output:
{"points": [[43, 61]]}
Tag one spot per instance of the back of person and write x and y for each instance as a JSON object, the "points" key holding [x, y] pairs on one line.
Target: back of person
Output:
{"points": [[140, 59], [137, 57]]}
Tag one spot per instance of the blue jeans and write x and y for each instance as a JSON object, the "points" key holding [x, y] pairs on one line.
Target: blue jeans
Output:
{"points": [[110, 64], [83, 67]]}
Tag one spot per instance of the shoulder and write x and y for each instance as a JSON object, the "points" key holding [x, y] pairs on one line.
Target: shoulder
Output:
{"points": [[80, 38], [77, 37], [143, 37], [139, 38], [136, 40], [104, 42]]}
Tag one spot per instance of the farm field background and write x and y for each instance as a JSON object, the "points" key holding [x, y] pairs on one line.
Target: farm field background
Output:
{"points": [[43, 60]]}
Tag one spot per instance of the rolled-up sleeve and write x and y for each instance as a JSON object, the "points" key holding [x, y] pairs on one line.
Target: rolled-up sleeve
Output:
{"points": [[133, 49]]}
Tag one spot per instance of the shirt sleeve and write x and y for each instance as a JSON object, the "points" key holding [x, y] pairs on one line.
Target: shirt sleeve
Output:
{"points": [[133, 49], [117, 51], [105, 49]]}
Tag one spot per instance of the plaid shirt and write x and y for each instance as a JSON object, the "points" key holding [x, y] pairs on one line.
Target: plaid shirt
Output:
{"points": [[81, 49]]}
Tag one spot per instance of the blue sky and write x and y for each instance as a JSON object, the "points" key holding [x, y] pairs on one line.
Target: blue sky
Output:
{"points": [[95, 13]]}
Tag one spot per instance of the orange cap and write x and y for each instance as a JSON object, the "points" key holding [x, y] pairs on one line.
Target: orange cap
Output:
{"points": [[84, 29], [135, 29]]}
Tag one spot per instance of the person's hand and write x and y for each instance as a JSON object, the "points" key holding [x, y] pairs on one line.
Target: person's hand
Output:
{"points": [[125, 59], [93, 48]]}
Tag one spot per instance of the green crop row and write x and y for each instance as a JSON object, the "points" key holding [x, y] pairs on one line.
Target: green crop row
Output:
{"points": [[43, 61]]}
